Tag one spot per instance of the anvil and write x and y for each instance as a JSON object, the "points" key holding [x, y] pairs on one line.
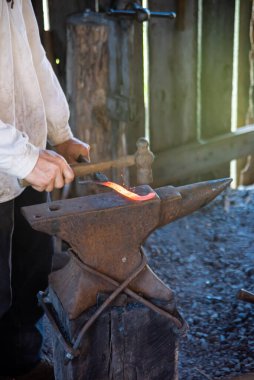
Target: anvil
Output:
{"points": [[106, 232]]}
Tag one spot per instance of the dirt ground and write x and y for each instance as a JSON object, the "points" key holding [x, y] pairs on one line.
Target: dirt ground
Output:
{"points": [[206, 258]]}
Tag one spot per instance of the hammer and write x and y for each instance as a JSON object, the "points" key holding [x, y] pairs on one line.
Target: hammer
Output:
{"points": [[143, 159]]}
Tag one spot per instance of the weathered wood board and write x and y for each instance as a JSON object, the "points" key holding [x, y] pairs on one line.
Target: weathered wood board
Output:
{"points": [[216, 71], [172, 76], [217, 66]]}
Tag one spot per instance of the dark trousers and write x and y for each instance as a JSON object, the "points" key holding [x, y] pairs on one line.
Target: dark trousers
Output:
{"points": [[25, 262]]}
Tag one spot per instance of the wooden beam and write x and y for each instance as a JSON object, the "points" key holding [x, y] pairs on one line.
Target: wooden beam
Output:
{"points": [[177, 164]]}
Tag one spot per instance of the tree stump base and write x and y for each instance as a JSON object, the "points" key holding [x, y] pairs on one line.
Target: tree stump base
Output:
{"points": [[127, 342]]}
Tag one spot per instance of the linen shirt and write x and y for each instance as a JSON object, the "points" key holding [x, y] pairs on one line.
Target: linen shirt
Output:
{"points": [[33, 107]]}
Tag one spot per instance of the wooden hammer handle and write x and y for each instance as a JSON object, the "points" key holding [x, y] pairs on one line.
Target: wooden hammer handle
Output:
{"points": [[245, 295], [82, 169]]}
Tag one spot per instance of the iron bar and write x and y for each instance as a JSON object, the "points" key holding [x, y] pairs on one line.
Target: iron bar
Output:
{"points": [[142, 14], [181, 326]]}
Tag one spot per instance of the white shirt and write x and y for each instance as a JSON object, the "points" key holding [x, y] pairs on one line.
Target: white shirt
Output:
{"points": [[33, 107]]}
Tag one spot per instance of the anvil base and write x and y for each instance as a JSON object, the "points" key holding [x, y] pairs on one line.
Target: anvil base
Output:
{"points": [[127, 341]]}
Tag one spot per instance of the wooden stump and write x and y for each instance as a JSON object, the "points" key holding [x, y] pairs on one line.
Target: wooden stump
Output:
{"points": [[127, 342]]}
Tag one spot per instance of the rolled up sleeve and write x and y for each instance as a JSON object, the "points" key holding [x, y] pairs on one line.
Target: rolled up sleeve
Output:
{"points": [[17, 156]]}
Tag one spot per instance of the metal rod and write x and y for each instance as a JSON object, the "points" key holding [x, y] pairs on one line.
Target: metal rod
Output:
{"points": [[182, 326], [129, 12]]}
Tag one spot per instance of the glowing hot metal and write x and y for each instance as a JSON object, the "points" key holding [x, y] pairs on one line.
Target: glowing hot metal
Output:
{"points": [[126, 193]]}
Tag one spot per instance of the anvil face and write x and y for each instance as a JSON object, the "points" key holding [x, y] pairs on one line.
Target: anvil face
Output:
{"points": [[106, 232], [100, 226]]}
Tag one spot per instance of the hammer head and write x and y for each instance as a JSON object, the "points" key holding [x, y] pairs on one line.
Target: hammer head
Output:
{"points": [[144, 159]]}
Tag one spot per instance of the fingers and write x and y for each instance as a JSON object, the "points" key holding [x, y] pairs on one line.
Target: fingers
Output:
{"points": [[51, 171], [72, 149], [61, 176], [85, 151], [37, 188], [68, 174]]}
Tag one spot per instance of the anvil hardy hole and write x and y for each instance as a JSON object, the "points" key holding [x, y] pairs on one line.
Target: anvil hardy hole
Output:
{"points": [[54, 207]]}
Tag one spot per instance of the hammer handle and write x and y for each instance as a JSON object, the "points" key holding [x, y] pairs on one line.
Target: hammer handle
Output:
{"points": [[82, 169], [246, 296]]}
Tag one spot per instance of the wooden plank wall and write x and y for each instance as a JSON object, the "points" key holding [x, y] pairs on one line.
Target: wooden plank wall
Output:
{"points": [[174, 69], [173, 84]]}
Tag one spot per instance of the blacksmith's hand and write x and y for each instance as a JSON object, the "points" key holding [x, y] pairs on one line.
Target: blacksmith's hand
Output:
{"points": [[51, 171], [72, 149]]}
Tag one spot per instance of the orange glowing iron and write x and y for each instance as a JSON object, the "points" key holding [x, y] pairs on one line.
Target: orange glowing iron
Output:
{"points": [[126, 193]]}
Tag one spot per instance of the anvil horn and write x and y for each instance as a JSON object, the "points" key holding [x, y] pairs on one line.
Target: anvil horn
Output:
{"points": [[191, 198]]}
